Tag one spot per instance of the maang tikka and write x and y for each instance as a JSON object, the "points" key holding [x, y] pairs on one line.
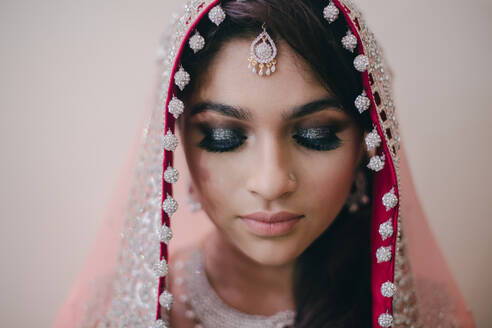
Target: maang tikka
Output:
{"points": [[262, 54]]}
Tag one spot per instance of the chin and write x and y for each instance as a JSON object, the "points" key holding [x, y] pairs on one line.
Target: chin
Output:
{"points": [[277, 251]]}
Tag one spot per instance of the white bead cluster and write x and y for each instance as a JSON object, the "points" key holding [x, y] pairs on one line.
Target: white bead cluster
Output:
{"points": [[165, 234], [383, 254], [176, 107], [169, 141], [349, 41], [217, 15], [385, 320], [362, 102], [181, 78], [373, 139], [361, 63], [166, 300], [388, 289], [159, 323], [171, 175], [386, 229], [331, 12], [389, 199], [376, 163], [169, 205], [196, 42], [160, 268]]}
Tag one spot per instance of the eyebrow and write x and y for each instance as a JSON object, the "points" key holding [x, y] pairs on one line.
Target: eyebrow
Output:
{"points": [[245, 115]]}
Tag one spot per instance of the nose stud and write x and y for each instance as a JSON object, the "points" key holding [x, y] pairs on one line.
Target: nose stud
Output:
{"points": [[292, 177]]}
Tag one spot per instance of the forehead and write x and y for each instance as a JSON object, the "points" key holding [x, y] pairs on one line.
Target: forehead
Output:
{"points": [[228, 80]]}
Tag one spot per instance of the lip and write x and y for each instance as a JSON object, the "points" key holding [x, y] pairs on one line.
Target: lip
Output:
{"points": [[271, 224]]}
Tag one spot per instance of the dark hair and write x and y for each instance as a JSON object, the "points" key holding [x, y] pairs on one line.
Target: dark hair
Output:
{"points": [[332, 285]]}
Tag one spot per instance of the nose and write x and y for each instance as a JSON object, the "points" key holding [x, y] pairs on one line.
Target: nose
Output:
{"points": [[271, 174]]}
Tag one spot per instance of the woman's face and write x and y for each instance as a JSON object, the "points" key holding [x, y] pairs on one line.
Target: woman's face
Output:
{"points": [[246, 136]]}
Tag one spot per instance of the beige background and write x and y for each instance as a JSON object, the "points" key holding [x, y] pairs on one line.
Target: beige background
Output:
{"points": [[77, 76]]}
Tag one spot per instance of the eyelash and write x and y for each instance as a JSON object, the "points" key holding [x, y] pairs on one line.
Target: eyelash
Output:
{"points": [[224, 139], [325, 138]]}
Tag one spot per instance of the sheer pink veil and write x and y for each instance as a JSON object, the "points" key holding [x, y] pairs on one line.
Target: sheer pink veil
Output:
{"points": [[427, 294], [91, 292], [440, 302]]}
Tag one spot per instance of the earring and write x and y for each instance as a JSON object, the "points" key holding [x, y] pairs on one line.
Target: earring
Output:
{"points": [[357, 196], [193, 205]]}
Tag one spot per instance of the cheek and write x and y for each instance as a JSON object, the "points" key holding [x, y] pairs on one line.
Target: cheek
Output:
{"points": [[331, 177], [214, 182], [335, 182]]}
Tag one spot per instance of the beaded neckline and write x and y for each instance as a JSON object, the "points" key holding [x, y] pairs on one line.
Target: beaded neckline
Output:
{"points": [[210, 311]]}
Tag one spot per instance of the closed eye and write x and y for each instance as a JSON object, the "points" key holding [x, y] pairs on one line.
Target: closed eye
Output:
{"points": [[321, 138]]}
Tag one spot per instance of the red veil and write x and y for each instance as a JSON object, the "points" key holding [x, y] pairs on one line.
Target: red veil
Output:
{"points": [[126, 274]]}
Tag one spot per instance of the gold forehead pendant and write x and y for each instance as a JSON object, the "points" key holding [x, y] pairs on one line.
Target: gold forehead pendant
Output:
{"points": [[262, 54]]}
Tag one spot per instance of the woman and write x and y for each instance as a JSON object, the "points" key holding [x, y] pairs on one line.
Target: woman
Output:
{"points": [[285, 115]]}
